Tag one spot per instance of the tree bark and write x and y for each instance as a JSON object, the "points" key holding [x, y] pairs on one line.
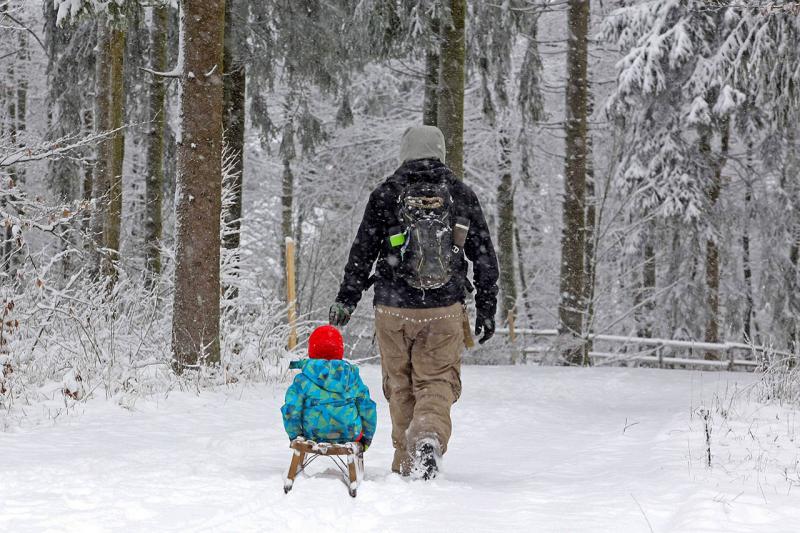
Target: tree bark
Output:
{"points": [[505, 232], [590, 259], [430, 105], [102, 121], [287, 188], [154, 177], [645, 292], [747, 318], [195, 326], [712, 248], [234, 125], [22, 96], [113, 219], [450, 117], [573, 237]]}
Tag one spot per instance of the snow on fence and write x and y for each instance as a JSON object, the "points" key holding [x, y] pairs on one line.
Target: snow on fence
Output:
{"points": [[750, 356]]}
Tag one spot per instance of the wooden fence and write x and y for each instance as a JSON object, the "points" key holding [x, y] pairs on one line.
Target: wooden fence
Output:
{"points": [[663, 353]]}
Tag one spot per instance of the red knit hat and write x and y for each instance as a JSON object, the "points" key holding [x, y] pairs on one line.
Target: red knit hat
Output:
{"points": [[325, 342]]}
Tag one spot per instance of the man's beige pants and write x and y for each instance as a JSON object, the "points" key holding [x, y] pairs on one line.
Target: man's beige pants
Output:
{"points": [[421, 363]]}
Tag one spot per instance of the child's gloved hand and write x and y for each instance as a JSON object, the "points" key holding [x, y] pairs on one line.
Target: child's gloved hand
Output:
{"points": [[365, 443]]}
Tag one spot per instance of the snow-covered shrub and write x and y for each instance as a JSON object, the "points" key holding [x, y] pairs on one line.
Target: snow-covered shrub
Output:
{"points": [[69, 334], [780, 381]]}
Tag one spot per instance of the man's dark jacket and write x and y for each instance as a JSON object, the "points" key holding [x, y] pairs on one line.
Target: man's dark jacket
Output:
{"points": [[371, 242]]}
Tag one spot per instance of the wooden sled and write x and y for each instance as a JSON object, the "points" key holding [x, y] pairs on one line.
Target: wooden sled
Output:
{"points": [[348, 457]]}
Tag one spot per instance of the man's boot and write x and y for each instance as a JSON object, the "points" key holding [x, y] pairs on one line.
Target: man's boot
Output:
{"points": [[401, 464], [427, 457]]}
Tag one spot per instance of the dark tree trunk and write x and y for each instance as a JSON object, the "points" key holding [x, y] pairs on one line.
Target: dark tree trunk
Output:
{"points": [[113, 213], [573, 237], [505, 232], [590, 267], [712, 247], [430, 106], [747, 318], [234, 124], [195, 325], [102, 123], [154, 180], [645, 293], [450, 117]]}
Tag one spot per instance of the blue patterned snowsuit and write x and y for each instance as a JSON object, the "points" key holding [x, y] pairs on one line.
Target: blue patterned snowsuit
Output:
{"points": [[328, 402]]}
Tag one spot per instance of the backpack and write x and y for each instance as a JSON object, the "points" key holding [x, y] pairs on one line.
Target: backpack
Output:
{"points": [[427, 244]]}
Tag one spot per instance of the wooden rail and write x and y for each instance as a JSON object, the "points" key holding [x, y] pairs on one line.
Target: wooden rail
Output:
{"points": [[655, 348]]}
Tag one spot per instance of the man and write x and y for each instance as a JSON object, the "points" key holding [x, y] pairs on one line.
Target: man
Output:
{"points": [[421, 224]]}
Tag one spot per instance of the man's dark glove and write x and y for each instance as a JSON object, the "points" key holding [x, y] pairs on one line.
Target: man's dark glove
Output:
{"points": [[484, 323], [339, 314]]}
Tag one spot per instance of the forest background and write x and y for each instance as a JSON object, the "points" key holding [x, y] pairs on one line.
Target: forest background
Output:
{"points": [[636, 160]]}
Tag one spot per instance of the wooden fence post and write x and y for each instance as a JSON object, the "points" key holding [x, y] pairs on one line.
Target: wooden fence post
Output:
{"points": [[291, 296]]}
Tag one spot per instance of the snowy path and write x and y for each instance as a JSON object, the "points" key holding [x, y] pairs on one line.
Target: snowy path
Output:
{"points": [[534, 449]]}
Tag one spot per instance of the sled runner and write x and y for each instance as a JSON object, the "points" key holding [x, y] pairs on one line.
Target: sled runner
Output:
{"points": [[348, 457]]}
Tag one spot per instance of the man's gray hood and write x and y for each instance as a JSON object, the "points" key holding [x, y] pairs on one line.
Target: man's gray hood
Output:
{"points": [[422, 142]]}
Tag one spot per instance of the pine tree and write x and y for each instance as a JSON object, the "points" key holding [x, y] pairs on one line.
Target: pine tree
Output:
{"points": [[573, 241], [196, 310], [234, 115], [154, 174], [451, 84]]}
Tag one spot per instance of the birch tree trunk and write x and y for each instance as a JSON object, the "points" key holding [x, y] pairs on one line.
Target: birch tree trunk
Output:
{"points": [[450, 117], [573, 237], [196, 312], [154, 176]]}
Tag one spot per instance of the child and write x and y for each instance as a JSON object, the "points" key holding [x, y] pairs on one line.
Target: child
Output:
{"points": [[328, 402]]}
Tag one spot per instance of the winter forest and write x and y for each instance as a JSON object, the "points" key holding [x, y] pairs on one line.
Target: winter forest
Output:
{"points": [[181, 183]]}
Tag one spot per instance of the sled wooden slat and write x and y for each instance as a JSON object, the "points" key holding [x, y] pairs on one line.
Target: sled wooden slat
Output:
{"points": [[348, 457]]}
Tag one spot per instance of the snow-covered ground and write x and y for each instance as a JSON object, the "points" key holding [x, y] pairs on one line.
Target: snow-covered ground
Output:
{"points": [[533, 449]]}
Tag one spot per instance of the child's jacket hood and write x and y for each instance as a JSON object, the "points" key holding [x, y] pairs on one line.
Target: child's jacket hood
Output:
{"points": [[333, 376]]}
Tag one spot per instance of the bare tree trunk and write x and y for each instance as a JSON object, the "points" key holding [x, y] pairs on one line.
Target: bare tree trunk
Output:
{"points": [[102, 122], [88, 171], [113, 222], [590, 266], [573, 237], [505, 232], [287, 188], [234, 125], [7, 258], [430, 106], [450, 118], [22, 95], [747, 318], [712, 249], [154, 177], [645, 292], [195, 323], [523, 277]]}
